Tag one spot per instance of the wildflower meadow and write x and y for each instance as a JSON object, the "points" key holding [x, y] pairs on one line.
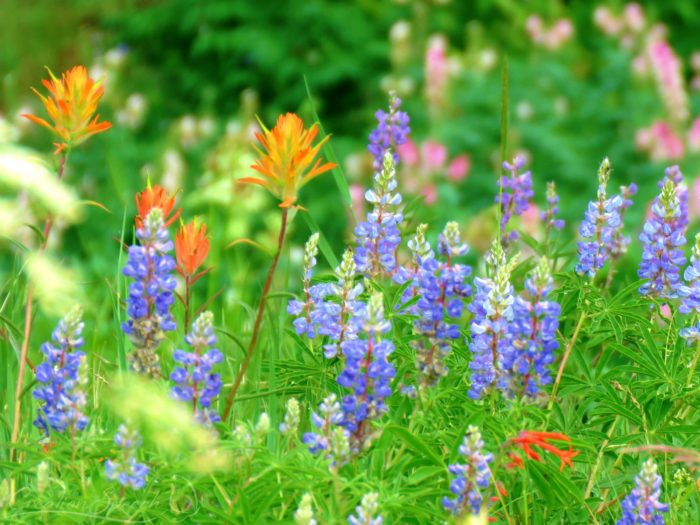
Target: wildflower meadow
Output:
{"points": [[266, 295]]}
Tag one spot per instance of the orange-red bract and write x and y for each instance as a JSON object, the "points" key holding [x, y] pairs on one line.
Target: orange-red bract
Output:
{"points": [[72, 107], [191, 247], [155, 197], [530, 438], [287, 162]]}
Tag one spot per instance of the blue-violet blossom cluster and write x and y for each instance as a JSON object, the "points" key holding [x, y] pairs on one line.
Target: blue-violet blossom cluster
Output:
{"points": [[471, 478], [195, 382], [492, 307], [378, 236], [642, 505], [366, 511], [392, 130], [535, 323], [663, 240], [61, 377], [151, 294], [441, 288], [690, 292], [514, 195], [127, 471], [597, 231]]}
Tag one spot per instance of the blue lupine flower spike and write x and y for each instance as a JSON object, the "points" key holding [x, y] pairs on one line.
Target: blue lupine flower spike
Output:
{"points": [[151, 294], [534, 328], [515, 194], [392, 130], [642, 505], [663, 240], [599, 226], [62, 378], [366, 511], [195, 383], [471, 478], [127, 471]]}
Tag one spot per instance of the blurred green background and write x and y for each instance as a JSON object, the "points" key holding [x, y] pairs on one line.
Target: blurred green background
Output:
{"points": [[185, 78]]}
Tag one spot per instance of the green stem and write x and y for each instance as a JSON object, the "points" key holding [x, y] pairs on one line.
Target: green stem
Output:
{"points": [[565, 358], [258, 318]]}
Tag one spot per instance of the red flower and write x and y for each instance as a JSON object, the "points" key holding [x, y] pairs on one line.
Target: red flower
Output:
{"points": [[155, 197], [527, 439], [191, 247], [72, 107]]}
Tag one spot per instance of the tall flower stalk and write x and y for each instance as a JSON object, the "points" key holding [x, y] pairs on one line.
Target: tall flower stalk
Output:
{"points": [[642, 505], [72, 107], [287, 163]]}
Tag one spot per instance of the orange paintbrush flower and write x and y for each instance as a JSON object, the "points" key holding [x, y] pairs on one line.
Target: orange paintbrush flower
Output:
{"points": [[191, 247], [72, 107], [287, 162], [155, 197], [527, 439]]}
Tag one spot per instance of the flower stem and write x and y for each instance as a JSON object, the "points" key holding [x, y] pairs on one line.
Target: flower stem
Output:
{"points": [[28, 317], [564, 359], [258, 318]]}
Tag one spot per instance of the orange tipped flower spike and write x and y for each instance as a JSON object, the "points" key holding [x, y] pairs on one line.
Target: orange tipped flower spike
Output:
{"points": [[191, 247], [72, 106], [155, 197], [287, 162], [530, 438]]}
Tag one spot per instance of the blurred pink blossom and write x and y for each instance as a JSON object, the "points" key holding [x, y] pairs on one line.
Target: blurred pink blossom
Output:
{"points": [[531, 219], [408, 153], [694, 199], [434, 155], [606, 21], [430, 193], [660, 141], [436, 71], [694, 135], [552, 38], [459, 167], [634, 17], [667, 69]]}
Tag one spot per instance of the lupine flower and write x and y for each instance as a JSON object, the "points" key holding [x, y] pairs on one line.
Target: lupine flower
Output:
{"points": [[690, 292], [527, 439], [378, 237], [287, 163], [421, 253], [330, 439], [195, 382], [674, 173], [127, 471], [549, 216], [329, 308], [392, 130], [191, 249], [442, 289], [515, 194], [290, 425], [492, 307], [598, 228], [642, 505], [367, 372], [72, 107], [304, 515], [303, 324], [366, 511], [155, 197], [471, 477], [151, 293], [621, 241], [663, 239], [62, 378], [437, 72], [535, 324]]}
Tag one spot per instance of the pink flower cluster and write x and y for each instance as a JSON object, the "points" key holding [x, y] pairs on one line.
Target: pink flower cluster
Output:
{"points": [[437, 72], [626, 26], [551, 38], [667, 69], [422, 165]]}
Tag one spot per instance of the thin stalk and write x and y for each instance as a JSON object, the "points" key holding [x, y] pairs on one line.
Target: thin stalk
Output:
{"points": [[567, 352], [28, 317], [258, 318]]}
